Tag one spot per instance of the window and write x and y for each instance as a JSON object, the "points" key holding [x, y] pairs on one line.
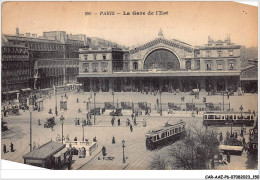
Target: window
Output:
{"points": [[85, 57], [197, 65], [208, 65], [95, 67], [230, 53], [188, 65], [104, 66], [126, 65], [231, 65], [86, 67], [135, 65], [219, 53], [104, 57], [95, 56], [208, 53], [220, 66]]}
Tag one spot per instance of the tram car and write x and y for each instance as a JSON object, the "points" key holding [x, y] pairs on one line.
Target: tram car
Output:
{"points": [[226, 118], [165, 135]]}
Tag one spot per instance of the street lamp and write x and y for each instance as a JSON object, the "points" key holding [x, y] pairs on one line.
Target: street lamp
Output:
{"points": [[31, 105], [62, 122], [123, 145], [241, 109]]}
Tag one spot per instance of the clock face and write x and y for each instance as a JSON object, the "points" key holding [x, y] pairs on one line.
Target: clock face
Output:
{"points": [[162, 59]]}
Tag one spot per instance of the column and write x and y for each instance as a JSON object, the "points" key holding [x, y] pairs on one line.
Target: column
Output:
{"points": [[214, 84], [170, 85], [226, 84], [180, 84], [100, 84], [133, 84], [111, 84], [91, 84], [131, 80], [150, 85], [202, 84]]}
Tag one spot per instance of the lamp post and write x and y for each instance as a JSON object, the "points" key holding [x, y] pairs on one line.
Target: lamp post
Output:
{"points": [[31, 104], [83, 130], [113, 94], [62, 122], [123, 145], [241, 109]]}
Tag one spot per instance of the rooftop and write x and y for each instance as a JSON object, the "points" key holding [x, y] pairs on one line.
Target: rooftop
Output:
{"points": [[45, 150]]}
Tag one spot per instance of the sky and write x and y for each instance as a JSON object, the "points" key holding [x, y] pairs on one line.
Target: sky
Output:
{"points": [[190, 22]]}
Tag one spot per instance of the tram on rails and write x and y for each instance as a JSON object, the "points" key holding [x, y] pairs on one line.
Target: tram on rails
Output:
{"points": [[165, 135], [225, 118]]}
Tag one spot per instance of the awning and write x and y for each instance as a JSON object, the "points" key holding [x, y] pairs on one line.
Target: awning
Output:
{"points": [[231, 148], [61, 152], [26, 89], [11, 92]]}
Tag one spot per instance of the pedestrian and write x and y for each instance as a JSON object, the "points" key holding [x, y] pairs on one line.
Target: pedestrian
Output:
{"points": [[12, 147], [113, 140], [135, 121], [227, 136], [228, 157], [220, 137], [118, 122], [212, 164], [132, 115], [4, 149], [254, 112], [39, 122], [103, 151], [236, 135], [131, 128], [242, 133], [95, 139], [77, 100], [197, 111]]}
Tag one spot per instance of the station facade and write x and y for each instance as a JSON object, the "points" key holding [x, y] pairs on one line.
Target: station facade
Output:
{"points": [[162, 65]]}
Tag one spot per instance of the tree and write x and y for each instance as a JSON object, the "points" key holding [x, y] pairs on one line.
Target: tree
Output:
{"points": [[193, 152], [158, 163]]}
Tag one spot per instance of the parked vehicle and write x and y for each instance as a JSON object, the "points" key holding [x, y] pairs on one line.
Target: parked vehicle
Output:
{"points": [[117, 112], [50, 122]]}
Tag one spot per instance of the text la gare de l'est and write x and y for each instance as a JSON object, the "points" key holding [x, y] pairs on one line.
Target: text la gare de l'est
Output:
{"points": [[135, 13]]}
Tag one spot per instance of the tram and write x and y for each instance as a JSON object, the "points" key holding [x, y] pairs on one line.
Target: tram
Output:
{"points": [[164, 135], [225, 118]]}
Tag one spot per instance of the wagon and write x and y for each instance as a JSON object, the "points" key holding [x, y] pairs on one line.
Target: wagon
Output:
{"points": [[50, 122]]}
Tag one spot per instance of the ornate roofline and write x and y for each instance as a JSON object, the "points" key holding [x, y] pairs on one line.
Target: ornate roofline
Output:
{"points": [[220, 47], [165, 41]]}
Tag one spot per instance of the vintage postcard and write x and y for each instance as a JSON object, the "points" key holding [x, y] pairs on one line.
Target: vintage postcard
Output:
{"points": [[130, 86]]}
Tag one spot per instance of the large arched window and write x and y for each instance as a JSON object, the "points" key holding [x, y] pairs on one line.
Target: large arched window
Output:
{"points": [[162, 59]]}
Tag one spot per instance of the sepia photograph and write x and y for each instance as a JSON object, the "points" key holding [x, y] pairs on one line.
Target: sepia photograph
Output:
{"points": [[130, 85]]}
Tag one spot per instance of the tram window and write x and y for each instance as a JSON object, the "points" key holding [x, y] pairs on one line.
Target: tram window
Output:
{"points": [[247, 117], [172, 131], [252, 117], [205, 116], [158, 137], [176, 130], [217, 116], [223, 117], [235, 117], [162, 135], [179, 129], [210, 116], [154, 138], [230, 117]]}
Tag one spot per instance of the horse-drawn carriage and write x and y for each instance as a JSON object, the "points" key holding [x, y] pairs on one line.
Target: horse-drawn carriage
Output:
{"points": [[50, 122], [117, 112]]}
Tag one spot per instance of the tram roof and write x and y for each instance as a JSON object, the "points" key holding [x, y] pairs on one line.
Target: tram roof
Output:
{"points": [[163, 128]]}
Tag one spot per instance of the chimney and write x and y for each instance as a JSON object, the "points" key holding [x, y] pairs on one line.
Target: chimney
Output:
{"points": [[34, 35], [17, 31], [27, 34]]}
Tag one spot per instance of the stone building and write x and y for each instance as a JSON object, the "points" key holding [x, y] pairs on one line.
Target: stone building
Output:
{"points": [[162, 64], [52, 59]]}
